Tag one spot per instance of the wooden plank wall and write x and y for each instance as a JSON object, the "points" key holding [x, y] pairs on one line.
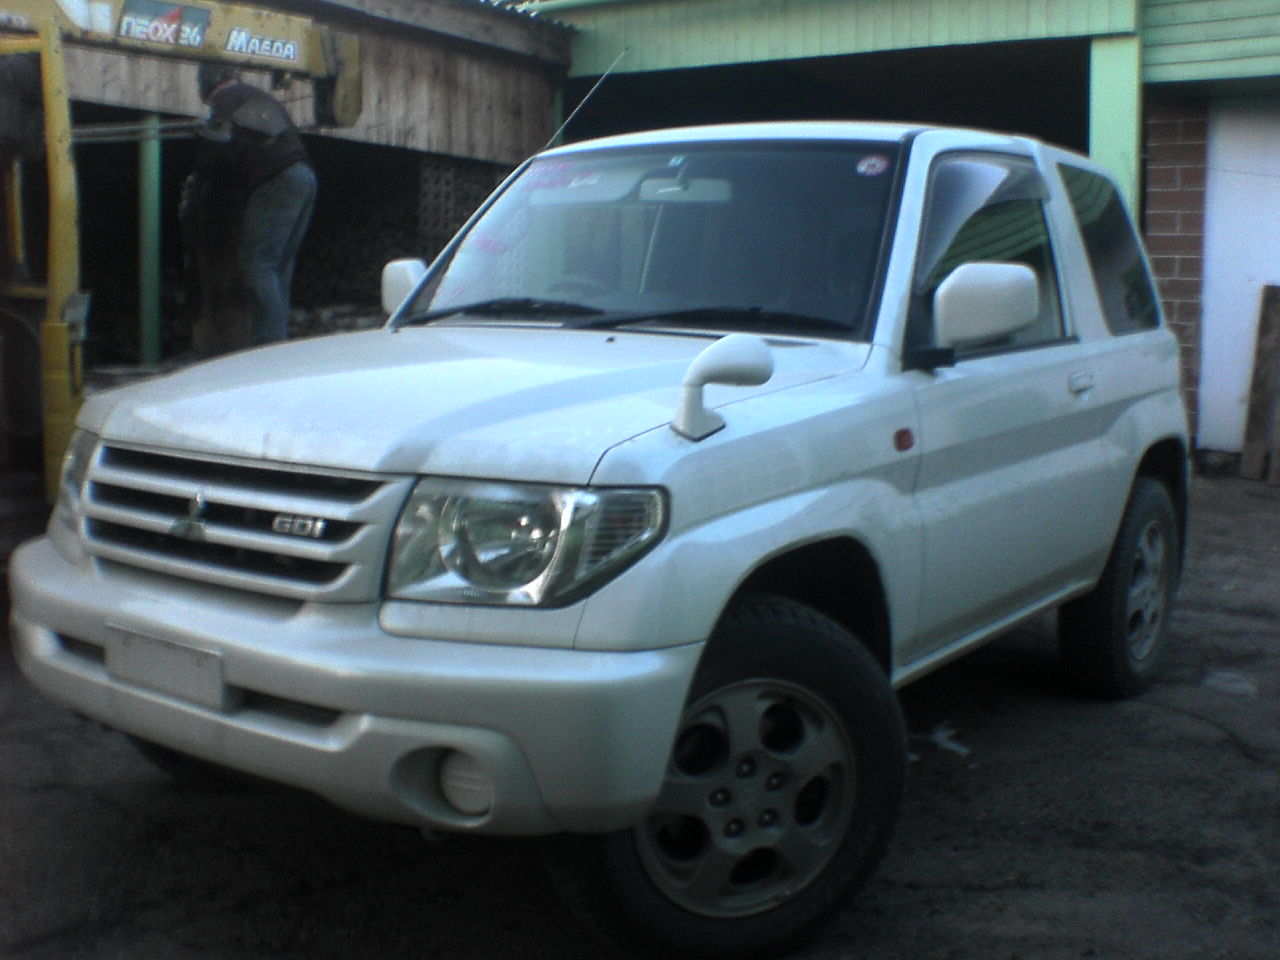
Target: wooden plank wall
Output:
{"points": [[421, 96], [454, 103], [1262, 427], [1185, 40], [667, 34], [490, 24]]}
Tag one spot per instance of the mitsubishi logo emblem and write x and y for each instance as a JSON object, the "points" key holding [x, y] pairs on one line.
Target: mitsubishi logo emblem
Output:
{"points": [[191, 527]]}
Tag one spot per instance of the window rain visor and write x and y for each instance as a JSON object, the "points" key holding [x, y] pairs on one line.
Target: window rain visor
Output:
{"points": [[791, 230]]}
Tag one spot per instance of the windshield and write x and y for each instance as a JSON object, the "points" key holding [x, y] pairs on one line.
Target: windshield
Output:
{"points": [[768, 237]]}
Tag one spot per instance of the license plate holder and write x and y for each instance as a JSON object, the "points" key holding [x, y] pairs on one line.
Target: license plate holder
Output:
{"points": [[181, 671]]}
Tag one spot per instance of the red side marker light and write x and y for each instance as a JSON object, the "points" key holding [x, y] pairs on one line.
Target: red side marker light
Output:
{"points": [[904, 440]]}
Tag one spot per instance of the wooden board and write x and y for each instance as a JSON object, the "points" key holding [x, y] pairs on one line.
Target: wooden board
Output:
{"points": [[418, 95], [1262, 427]]}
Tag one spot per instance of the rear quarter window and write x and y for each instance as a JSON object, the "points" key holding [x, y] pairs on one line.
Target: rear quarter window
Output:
{"points": [[1120, 274]]}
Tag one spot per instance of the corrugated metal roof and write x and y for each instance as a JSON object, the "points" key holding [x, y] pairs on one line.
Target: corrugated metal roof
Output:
{"points": [[500, 27]]}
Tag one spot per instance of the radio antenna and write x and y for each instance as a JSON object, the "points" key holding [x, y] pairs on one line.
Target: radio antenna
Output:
{"points": [[583, 102]]}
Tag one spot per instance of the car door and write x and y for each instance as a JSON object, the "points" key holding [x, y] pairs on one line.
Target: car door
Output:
{"points": [[1009, 443]]}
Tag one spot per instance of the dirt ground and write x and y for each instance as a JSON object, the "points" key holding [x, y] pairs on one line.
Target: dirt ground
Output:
{"points": [[1036, 825]]}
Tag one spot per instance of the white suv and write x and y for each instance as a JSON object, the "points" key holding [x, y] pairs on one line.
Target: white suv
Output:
{"points": [[689, 450]]}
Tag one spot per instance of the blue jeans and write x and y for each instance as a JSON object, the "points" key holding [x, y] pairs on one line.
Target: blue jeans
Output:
{"points": [[275, 220]]}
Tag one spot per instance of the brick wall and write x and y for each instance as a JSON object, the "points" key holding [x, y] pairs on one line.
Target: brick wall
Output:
{"points": [[1176, 134]]}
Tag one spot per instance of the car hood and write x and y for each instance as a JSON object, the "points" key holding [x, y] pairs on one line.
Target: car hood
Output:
{"points": [[536, 403]]}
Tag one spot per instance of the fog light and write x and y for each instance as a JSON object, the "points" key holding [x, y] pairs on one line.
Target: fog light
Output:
{"points": [[465, 785]]}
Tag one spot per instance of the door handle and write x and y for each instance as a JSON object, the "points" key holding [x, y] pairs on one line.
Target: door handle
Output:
{"points": [[1080, 382]]}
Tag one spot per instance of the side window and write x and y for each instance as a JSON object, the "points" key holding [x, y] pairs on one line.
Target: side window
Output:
{"points": [[1124, 286], [985, 208]]}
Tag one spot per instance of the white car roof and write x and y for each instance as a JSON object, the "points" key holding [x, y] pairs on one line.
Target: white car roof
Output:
{"points": [[785, 130]]}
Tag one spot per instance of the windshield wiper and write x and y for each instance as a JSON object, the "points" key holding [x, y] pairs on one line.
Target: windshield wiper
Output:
{"points": [[774, 321], [507, 307]]}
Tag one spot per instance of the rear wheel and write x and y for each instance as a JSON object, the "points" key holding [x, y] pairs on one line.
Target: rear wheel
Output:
{"points": [[1114, 639], [780, 794]]}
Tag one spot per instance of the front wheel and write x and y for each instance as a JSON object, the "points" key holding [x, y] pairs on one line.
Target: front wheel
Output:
{"points": [[779, 798], [1113, 640]]}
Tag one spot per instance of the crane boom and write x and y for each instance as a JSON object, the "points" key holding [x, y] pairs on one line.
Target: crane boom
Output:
{"points": [[227, 32], [201, 31]]}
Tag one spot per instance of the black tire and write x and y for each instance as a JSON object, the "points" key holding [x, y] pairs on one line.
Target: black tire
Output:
{"points": [[1114, 640], [780, 797]]}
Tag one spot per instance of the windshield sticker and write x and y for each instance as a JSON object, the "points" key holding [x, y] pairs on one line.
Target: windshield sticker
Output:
{"points": [[491, 242], [549, 174], [171, 24], [873, 165]]}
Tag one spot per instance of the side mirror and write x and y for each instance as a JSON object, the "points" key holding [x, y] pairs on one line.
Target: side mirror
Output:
{"points": [[399, 279], [984, 301], [740, 360]]}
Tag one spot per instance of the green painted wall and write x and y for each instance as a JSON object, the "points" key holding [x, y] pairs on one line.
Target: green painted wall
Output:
{"points": [[1182, 40], [669, 34], [1115, 109], [1189, 40]]}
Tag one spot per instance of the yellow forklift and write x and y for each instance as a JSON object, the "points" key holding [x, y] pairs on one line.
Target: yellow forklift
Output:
{"points": [[43, 310]]}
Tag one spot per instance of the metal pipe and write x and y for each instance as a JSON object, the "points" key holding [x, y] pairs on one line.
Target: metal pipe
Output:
{"points": [[128, 137], [129, 131], [149, 190], [138, 125]]}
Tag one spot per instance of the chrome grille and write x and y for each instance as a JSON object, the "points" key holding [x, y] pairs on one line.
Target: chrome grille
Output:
{"points": [[298, 533]]}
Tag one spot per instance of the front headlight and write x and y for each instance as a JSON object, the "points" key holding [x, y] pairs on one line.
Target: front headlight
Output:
{"points": [[477, 541]]}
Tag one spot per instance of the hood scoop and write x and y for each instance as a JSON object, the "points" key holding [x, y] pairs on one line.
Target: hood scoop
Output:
{"points": [[740, 360]]}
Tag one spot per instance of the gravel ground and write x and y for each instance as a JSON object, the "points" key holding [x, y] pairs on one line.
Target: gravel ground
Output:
{"points": [[1036, 825]]}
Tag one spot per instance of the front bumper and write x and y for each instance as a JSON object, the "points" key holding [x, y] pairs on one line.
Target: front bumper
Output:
{"points": [[318, 696]]}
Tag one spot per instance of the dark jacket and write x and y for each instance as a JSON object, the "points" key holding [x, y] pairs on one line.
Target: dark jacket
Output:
{"points": [[249, 138]]}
